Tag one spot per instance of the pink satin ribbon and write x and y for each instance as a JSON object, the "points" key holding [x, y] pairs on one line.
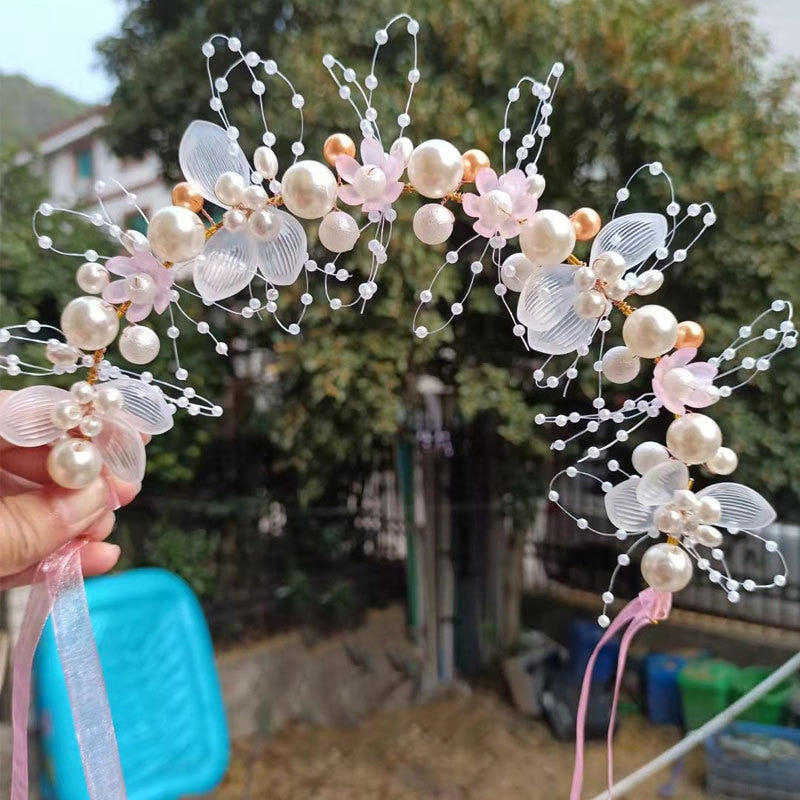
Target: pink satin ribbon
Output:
{"points": [[650, 606], [58, 590]]}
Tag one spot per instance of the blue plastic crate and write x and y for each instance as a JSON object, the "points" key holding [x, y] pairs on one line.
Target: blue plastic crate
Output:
{"points": [[162, 685], [662, 697], [583, 637], [734, 776]]}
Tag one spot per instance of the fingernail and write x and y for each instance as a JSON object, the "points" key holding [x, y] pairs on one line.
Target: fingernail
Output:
{"points": [[112, 501], [82, 506]]}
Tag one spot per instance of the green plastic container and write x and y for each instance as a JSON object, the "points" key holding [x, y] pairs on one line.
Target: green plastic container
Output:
{"points": [[770, 709], [705, 686]]}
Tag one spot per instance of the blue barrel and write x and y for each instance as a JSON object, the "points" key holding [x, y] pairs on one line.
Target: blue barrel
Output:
{"points": [[583, 638], [662, 696]]}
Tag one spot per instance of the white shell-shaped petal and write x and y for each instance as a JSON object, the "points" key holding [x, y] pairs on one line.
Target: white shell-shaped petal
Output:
{"points": [[566, 336], [206, 152], [25, 416], [634, 236], [624, 509], [122, 450], [546, 297], [659, 483], [742, 507], [281, 260], [145, 409], [226, 265]]}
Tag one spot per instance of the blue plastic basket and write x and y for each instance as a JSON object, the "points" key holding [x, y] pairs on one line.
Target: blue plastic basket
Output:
{"points": [[661, 693], [162, 686], [736, 777]]}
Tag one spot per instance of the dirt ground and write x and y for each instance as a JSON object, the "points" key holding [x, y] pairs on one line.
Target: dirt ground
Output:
{"points": [[460, 747]]}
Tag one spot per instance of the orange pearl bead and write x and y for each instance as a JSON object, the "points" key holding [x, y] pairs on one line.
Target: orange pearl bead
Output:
{"points": [[186, 196], [586, 222], [690, 334], [338, 144], [473, 160]]}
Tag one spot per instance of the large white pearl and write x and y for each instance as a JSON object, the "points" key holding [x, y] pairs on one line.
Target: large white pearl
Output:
{"points": [[141, 288], [370, 182], [435, 168], [650, 331], [620, 365], [264, 225], [139, 344], [723, 462], [678, 382], [308, 189], [609, 265], [229, 188], [589, 304], [693, 438], [338, 232], [74, 463], [666, 567], [647, 455], [402, 147], [89, 323], [266, 162], [433, 223], [516, 269], [548, 237], [61, 353], [176, 234], [92, 277]]}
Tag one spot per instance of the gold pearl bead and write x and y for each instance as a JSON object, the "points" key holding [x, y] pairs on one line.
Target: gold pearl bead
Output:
{"points": [[186, 196], [473, 160], [586, 222], [338, 144], [690, 334]]}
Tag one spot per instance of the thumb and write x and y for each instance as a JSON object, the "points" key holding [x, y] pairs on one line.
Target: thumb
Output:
{"points": [[35, 524]]}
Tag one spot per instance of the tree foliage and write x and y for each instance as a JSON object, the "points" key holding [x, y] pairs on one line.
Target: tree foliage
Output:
{"points": [[680, 82]]}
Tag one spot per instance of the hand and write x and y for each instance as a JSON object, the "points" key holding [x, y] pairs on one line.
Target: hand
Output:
{"points": [[37, 517]]}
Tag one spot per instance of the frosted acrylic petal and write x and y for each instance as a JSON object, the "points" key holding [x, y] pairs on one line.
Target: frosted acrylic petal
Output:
{"points": [[226, 265], [145, 409], [281, 260], [205, 153], [122, 450], [634, 236], [566, 336], [742, 507], [25, 416], [546, 297], [624, 509], [659, 483]]}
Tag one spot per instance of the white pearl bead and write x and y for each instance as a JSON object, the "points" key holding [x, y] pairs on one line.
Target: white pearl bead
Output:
{"points": [[693, 438], [92, 277], [589, 304], [708, 536], [61, 353], [649, 282], [108, 399], [535, 185], [403, 147], [229, 188], [66, 414], [89, 323], [234, 220], [435, 168], [620, 365], [618, 289], [433, 223], [370, 182], [338, 232], [709, 510], [647, 455], [678, 382], [139, 344], [584, 278], [666, 567], [609, 265], [308, 189], [650, 331], [264, 225], [516, 269], [91, 426], [254, 197], [667, 520], [266, 162], [547, 238], [141, 288], [723, 462], [74, 463], [134, 242], [176, 234]]}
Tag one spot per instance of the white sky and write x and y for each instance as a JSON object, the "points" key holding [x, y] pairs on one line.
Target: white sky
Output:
{"points": [[52, 41]]}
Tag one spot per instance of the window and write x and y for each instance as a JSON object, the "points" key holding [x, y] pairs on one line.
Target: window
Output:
{"points": [[83, 157]]}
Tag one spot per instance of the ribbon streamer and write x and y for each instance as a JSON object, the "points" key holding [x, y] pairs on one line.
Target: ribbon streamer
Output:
{"points": [[58, 590], [649, 607]]}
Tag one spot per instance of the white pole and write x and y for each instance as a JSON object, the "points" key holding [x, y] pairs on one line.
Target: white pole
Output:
{"points": [[697, 736]]}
